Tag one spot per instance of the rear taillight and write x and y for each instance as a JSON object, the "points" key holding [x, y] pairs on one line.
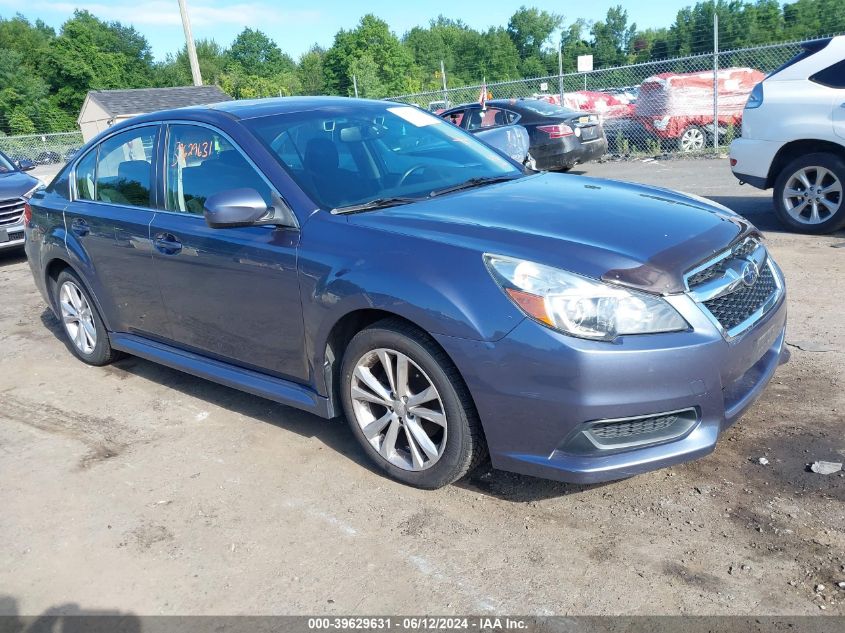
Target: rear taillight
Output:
{"points": [[556, 131], [27, 213]]}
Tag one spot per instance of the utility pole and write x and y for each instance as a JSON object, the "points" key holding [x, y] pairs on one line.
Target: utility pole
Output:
{"points": [[715, 82], [443, 77], [189, 43], [560, 68], [355, 84]]}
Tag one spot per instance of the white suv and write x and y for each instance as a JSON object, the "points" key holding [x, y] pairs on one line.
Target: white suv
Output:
{"points": [[793, 138]]}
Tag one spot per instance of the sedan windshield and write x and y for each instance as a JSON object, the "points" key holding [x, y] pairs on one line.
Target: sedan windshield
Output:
{"points": [[366, 155], [544, 108]]}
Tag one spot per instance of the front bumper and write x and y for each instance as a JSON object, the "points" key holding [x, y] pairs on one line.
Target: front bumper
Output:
{"points": [[12, 236], [536, 388]]}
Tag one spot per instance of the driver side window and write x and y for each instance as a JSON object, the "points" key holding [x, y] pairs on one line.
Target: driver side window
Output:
{"points": [[202, 162]]}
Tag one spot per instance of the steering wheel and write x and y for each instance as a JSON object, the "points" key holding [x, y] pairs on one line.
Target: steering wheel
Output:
{"points": [[409, 173]]}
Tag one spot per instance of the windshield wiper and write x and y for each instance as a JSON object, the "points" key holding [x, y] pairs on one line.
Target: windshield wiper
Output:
{"points": [[472, 182], [378, 203]]}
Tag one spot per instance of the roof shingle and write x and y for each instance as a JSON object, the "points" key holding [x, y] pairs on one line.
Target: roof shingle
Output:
{"points": [[143, 100]]}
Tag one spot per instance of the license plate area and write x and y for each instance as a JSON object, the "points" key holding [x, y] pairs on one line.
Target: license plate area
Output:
{"points": [[4, 236]]}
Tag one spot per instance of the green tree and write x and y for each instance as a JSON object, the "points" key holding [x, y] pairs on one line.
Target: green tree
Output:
{"points": [[310, 71], [612, 38], [371, 41], [176, 69], [20, 123], [531, 29], [258, 55]]}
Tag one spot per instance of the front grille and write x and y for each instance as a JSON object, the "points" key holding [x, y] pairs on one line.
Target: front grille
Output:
{"points": [[743, 305], [734, 308], [11, 211], [743, 249], [631, 428]]}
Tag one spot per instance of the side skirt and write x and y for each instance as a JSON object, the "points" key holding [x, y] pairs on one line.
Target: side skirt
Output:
{"points": [[276, 389]]}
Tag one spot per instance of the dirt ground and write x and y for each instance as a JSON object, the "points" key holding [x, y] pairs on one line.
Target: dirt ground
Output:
{"points": [[135, 488]]}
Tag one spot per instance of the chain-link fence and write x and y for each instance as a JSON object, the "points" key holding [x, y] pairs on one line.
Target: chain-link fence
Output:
{"points": [[649, 108], [42, 149]]}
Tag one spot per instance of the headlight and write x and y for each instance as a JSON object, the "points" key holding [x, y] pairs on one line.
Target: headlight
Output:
{"points": [[580, 306]]}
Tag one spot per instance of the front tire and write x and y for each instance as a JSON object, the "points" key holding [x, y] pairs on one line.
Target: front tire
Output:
{"points": [[408, 407], [808, 195], [86, 335], [693, 139]]}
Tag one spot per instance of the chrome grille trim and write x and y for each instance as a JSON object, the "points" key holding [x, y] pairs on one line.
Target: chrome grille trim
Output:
{"points": [[718, 278], [11, 211]]}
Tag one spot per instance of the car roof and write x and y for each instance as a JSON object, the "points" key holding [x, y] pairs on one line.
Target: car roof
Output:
{"points": [[247, 109]]}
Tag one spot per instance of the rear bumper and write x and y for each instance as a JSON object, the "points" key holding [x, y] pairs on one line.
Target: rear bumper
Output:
{"points": [[570, 152], [752, 159], [14, 236], [536, 390]]}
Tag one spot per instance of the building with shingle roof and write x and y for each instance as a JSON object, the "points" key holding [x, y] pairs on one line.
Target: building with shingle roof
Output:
{"points": [[104, 108]]}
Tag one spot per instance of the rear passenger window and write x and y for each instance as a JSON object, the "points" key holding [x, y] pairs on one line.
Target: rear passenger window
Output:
{"points": [[201, 163], [832, 76], [124, 168], [86, 172]]}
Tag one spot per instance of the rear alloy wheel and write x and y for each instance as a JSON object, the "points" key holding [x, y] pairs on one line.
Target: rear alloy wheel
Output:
{"points": [[86, 335], [692, 139], [809, 194], [408, 407]]}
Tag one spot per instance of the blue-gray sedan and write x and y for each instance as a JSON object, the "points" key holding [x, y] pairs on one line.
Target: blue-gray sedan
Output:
{"points": [[369, 260]]}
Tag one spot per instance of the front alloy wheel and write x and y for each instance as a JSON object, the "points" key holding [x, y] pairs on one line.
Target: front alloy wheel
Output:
{"points": [[408, 406], [399, 409]]}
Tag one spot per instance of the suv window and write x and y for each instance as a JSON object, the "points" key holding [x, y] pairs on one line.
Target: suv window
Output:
{"points": [[832, 76], [86, 172], [124, 168], [201, 163]]}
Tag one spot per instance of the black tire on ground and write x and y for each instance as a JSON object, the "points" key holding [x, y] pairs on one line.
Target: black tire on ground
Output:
{"points": [[830, 162], [102, 352], [465, 447]]}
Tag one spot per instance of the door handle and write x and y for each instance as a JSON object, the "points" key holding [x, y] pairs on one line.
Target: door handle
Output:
{"points": [[167, 243], [80, 227]]}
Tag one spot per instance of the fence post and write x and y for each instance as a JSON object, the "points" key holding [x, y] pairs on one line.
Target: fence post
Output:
{"points": [[560, 69], [445, 90], [715, 82]]}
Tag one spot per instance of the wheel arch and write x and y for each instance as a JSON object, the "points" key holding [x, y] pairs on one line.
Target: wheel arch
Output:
{"points": [[345, 329], [792, 150], [53, 269]]}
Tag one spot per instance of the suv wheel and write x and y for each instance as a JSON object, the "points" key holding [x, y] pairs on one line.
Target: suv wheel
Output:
{"points": [[808, 193], [86, 335], [408, 406], [692, 139]]}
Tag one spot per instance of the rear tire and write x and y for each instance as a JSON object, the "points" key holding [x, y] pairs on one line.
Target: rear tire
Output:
{"points": [[427, 441], [808, 194], [86, 335]]}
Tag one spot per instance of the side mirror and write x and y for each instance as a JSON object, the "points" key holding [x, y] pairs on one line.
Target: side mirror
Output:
{"points": [[25, 165], [235, 207]]}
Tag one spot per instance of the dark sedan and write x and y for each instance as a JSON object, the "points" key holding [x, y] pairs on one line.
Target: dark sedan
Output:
{"points": [[15, 188], [560, 138], [367, 259]]}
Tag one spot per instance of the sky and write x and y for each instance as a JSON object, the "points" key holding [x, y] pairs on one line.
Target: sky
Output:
{"points": [[297, 26]]}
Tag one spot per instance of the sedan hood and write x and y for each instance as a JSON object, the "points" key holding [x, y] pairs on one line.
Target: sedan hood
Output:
{"points": [[14, 184], [638, 236]]}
